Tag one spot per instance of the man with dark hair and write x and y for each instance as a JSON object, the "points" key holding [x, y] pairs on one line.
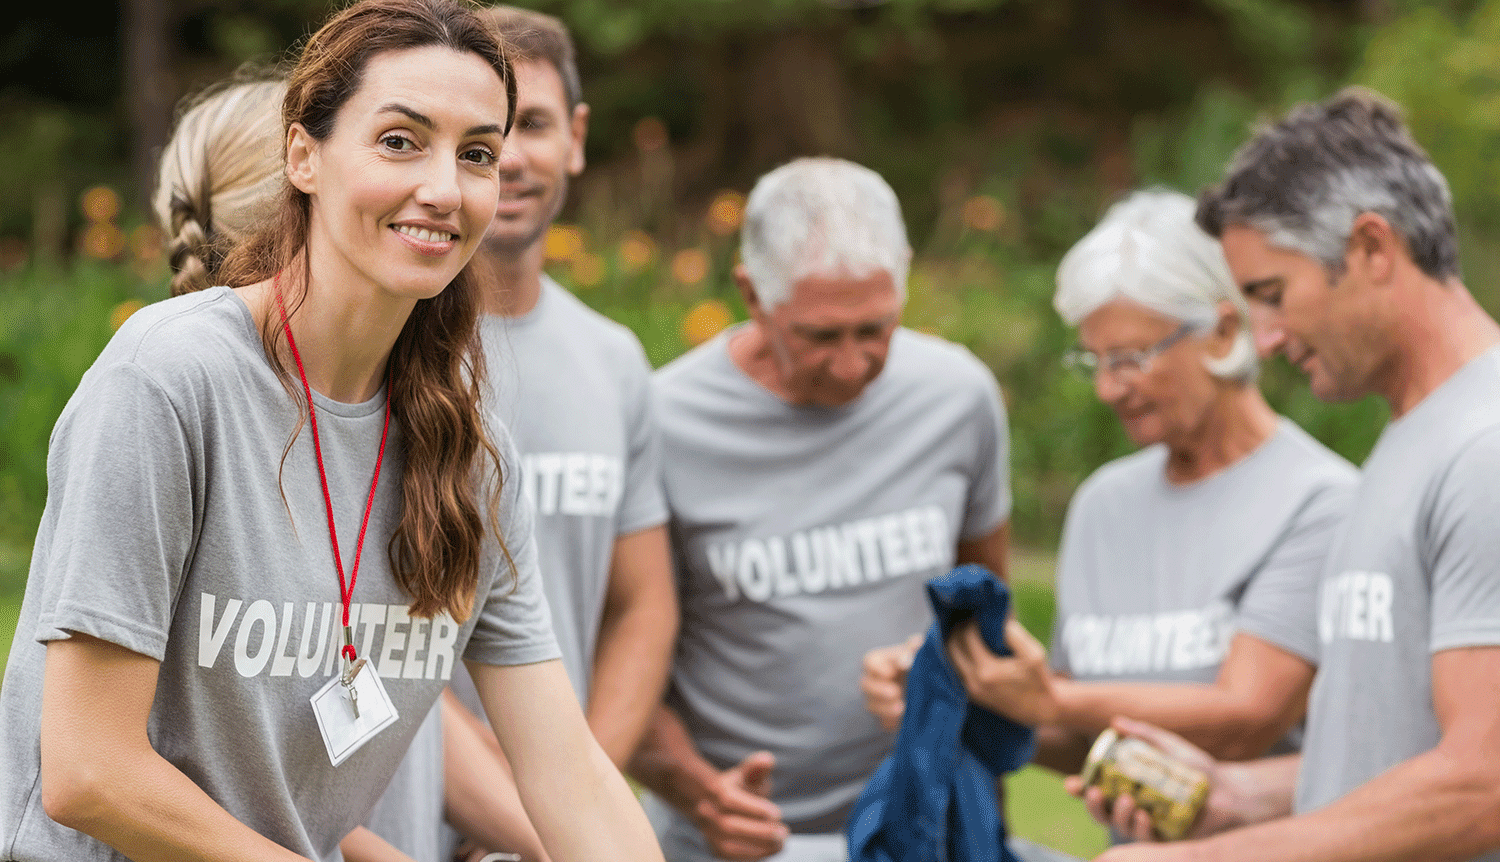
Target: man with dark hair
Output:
{"points": [[572, 387], [1340, 232]]}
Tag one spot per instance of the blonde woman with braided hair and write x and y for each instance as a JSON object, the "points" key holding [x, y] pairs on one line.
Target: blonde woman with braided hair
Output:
{"points": [[220, 175]]}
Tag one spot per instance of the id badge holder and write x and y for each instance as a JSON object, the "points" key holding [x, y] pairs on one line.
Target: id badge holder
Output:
{"points": [[350, 716]]}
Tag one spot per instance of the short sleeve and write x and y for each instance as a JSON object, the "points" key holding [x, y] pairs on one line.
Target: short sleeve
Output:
{"points": [[1279, 605], [643, 503], [1057, 652], [119, 524], [1461, 548], [989, 501], [515, 623]]}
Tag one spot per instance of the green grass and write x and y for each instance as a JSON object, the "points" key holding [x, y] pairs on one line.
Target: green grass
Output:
{"points": [[10, 610], [1037, 807]]}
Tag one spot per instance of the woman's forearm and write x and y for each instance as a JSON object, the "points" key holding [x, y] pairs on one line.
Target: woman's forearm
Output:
{"points": [[101, 776], [576, 799]]}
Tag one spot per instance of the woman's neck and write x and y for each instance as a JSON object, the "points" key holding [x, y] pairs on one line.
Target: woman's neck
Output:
{"points": [[1238, 423], [344, 334]]}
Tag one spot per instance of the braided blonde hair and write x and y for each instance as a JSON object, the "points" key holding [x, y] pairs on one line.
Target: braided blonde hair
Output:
{"points": [[221, 174]]}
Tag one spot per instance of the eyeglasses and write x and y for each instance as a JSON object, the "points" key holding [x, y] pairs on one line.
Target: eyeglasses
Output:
{"points": [[1122, 363]]}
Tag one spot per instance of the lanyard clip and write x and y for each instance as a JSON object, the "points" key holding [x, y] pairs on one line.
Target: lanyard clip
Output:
{"points": [[350, 667]]}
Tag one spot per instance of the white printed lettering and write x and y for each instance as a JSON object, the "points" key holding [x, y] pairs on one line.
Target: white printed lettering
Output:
{"points": [[834, 556], [867, 534], [412, 667], [548, 471], [575, 484], [809, 558], [893, 546], [721, 566], [391, 652], [1378, 605], [264, 613], [1356, 606], [1140, 643], [786, 585], [440, 648], [755, 571], [308, 659], [211, 637], [371, 617], [282, 664], [843, 557]]}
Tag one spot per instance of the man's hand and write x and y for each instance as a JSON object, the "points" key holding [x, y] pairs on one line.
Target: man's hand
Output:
{"points": [[1019, 687], [736, 814], [1230, 794], [884, 680]]}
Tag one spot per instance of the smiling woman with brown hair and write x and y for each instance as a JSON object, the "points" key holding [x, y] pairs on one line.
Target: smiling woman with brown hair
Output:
{"points": [[278, 516]]}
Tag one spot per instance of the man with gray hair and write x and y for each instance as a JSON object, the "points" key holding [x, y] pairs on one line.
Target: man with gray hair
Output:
{"points": [[821, 463], [1340, 231]]}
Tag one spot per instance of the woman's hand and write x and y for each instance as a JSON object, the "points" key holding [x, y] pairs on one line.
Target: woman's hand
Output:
{"points": [[1020, 687], [884, 680]]}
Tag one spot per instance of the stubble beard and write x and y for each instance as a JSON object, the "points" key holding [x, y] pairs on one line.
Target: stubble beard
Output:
{"points": [[510, 247]]}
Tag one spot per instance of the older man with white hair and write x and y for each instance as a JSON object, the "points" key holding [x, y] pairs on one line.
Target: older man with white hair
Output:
{"points": [[821, 463], [1194, 560]]}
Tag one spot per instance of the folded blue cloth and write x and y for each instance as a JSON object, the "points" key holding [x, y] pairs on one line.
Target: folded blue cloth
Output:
{"points": [[933, 799]]}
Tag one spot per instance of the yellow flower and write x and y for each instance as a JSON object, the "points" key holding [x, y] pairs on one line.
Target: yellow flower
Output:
{"points": [[103, 240], [100, 204], [726, 213], [122, 312], [564, 243], [588, 270], [984, 213], [690, 266], [705, 320], [637, 251]]}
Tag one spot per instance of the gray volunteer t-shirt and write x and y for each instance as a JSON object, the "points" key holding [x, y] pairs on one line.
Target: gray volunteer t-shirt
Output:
{"points": [[1412, 573], [803, 536], [166, 531], [571, 385], [1155, 579], [411, 814]]}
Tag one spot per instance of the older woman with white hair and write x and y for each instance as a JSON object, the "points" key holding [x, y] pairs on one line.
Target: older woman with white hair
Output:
{"points": [[1187, 574]]}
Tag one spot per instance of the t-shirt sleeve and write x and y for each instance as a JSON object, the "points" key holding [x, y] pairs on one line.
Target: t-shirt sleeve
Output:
{"points": [[1074, 527], [989, 493], [515, 623], [643, 504], [119, 524], [1461, 540], [1280, 603]]}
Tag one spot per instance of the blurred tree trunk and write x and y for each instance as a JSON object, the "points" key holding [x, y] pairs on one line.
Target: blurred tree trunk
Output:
{"points": [[149, 91], [773, 98]]}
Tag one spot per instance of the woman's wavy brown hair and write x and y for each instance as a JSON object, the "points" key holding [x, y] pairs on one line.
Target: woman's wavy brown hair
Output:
{"points": [[450, 489]]}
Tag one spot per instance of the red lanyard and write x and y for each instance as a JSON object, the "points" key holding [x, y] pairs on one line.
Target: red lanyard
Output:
{"points": [[346, 593]]}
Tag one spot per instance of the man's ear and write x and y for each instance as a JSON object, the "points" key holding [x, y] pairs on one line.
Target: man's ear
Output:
{"points": [[301, 159], [1374, 247], [578, 130], [747, 291]]}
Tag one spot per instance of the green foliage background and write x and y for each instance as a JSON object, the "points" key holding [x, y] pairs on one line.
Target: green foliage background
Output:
{"points": [[1052, 163]]}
